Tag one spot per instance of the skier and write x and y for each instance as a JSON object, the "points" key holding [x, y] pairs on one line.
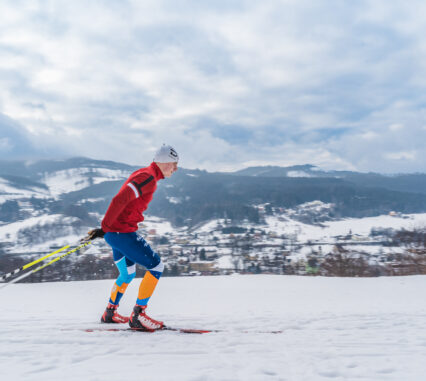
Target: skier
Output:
{"points": [[119, 229]]}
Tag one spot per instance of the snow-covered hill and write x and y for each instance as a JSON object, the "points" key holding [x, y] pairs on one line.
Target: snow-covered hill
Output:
{"points": [[48, 204], [37, 207], [75, 179], [13, 189], [332, 329], [330, 230]]}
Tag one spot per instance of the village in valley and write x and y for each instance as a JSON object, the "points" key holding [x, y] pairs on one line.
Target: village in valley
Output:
{"points": [[281, 245], [200, 227], [304, 240]]}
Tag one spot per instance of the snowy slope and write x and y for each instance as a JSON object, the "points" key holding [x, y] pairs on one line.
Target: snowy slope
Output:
{"points": [[46, 227], [70, 180], [10, 191], [332, 329], [330, 229]]}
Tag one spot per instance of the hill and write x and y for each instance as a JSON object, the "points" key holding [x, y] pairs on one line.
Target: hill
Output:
{"points": [[62, 198]]}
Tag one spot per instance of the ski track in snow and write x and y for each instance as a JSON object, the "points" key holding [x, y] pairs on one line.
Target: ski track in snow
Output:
{"points": [[333, 329]]}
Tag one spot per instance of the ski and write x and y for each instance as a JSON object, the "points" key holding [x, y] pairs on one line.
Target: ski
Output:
{"points": [[173, 329], [179, 330]]}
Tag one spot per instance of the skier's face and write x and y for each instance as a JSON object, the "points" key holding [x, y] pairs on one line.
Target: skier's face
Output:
{"points": [[169, 168]]}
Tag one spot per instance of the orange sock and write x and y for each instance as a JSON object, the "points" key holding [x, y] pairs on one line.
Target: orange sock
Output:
{"points": [[147, 287]]}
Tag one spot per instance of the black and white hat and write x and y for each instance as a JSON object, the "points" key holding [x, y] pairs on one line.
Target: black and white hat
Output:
{"points": [[166, 154]]}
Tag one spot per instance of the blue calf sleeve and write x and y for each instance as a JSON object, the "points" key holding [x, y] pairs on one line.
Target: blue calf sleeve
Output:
{"points": [[127, 273]]}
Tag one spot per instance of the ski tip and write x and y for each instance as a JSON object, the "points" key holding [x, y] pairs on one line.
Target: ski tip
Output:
{"points": [[102, 329], [187, 330], [196, 331]]}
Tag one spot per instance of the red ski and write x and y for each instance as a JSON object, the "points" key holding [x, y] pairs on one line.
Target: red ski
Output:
{"points": [[180, 330], [165, 328]]}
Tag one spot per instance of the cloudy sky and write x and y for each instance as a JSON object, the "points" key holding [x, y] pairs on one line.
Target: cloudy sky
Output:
{"points": [[230, 84]]}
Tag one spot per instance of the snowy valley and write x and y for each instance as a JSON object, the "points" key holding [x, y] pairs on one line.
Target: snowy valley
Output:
{"points": [[286, 229]]}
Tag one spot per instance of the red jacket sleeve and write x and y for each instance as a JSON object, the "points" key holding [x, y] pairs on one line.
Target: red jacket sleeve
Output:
{"points": [[118, 203]]}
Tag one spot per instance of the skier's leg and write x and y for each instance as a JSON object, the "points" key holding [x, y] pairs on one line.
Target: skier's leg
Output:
{"points": [[134, 247], [127, 269], [148, 283], [155, 267], [139, 319]]}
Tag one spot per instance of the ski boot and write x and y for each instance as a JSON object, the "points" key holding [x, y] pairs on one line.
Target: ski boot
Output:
{"points": [[112, 316], [139, 320]]}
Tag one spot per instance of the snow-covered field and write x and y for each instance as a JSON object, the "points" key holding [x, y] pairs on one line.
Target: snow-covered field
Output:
{"points": [[332, 329], [10, 192], [361, 226], [330, 229], [74, 179]]}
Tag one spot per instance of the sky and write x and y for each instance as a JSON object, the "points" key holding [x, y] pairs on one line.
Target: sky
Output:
{"points": [[229, 84]]}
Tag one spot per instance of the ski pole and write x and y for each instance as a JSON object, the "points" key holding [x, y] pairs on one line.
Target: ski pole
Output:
{"points": [[45, 265], [28, 265], [61, 256]]}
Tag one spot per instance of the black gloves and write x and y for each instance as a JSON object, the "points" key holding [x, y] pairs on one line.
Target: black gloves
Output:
{"points": [[93, 234]]}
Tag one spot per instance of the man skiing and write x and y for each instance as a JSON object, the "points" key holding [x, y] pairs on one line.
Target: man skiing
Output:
{"points": [[119, 229]]}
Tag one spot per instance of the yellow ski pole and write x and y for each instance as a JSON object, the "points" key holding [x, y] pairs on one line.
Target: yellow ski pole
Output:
{"points": [[28, 265], [61, 256], [45, 265]]}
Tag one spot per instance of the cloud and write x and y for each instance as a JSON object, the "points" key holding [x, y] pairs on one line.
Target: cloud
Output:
{"points": [[227, 82], [396, 127], [411, 155], [15, 142]]}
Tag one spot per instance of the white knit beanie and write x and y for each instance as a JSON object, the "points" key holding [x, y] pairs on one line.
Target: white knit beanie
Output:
{"points": [[166, 154]]}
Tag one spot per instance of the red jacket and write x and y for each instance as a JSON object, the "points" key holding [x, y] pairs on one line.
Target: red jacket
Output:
{"points": [[126, 208]]}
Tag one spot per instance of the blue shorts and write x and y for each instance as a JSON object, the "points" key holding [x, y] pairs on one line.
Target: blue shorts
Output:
{"points": [[134, 247]]}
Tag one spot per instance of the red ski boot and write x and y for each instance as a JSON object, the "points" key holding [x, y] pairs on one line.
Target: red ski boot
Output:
{"points": [[140, 320], [112, 316]]}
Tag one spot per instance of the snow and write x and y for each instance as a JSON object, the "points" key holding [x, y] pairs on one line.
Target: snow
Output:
{"points": [[332, 329], [71, 239], [210, 226], [160, 225], [174, 200], [9, 192], [105, 174], [9, 232], [65, 181], [330, 229], [221, 250], [75, 179], [298, 174], [225, 262], [96, 199]]}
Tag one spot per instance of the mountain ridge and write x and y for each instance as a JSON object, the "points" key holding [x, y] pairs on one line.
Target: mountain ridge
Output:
{"points": [[83, 187]]}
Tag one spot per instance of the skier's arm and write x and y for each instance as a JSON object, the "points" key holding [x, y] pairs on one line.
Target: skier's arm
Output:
{"points": [[118, 203], [132, 191]]}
